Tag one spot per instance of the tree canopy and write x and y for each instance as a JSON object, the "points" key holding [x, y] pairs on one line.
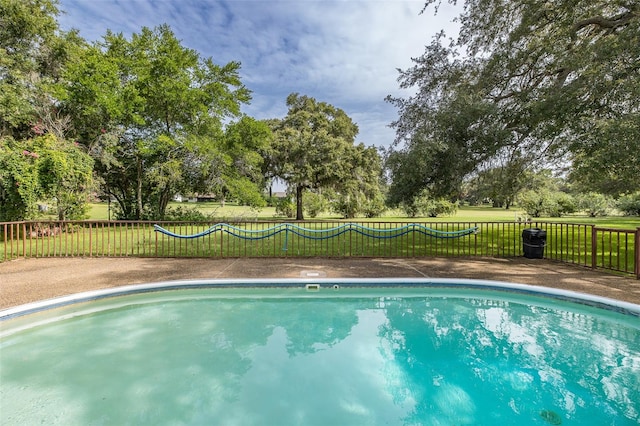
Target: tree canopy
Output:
{"points": [[152, 117], [525, 84], [151, 111], [149, 118], [314, 149], [33, 52]]}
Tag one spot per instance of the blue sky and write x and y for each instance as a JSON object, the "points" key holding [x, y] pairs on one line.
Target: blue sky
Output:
{"points": [[343, 52]]}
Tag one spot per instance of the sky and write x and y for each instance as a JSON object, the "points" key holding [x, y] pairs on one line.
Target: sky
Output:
{"points": [[346, 53]]}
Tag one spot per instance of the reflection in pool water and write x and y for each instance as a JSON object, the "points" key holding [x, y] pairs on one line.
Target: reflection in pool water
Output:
{"points": [[266, 357]]}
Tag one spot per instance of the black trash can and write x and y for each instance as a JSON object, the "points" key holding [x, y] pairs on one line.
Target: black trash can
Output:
{"points": [[533, 242]]}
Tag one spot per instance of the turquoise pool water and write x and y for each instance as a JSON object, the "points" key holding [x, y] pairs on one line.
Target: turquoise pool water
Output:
{"points": [[347, 356]]}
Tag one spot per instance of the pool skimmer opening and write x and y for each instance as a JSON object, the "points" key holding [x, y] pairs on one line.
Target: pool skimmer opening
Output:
{"points": [[316, 287]]}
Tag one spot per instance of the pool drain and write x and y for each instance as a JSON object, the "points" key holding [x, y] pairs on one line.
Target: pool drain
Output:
{"points": [[551, 417]]}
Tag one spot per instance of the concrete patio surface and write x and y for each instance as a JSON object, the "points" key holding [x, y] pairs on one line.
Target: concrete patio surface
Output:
{"points": [[28, 280]]}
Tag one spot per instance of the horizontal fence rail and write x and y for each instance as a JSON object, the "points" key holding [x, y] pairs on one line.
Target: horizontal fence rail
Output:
{"points": [[615, 250]]}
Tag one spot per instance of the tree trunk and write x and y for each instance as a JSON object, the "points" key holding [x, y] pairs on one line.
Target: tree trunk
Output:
{"points": [[299, 213], [165, 197], [139, 191]]}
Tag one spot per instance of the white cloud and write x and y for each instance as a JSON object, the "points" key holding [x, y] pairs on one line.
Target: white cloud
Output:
{"points": [[342, 52]]}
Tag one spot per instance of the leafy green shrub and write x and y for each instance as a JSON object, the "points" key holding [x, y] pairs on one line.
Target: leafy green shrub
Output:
{"points": [[410, 209], [441, 207], [20, 186], [629, 204], [187, 214], [417, 206], [561, 204], [285, 207], [347, 206], [314, 204], [374, 207], [40, 169], [595, 204], [535, 203], [424, 205], [353, 203], [545, 202]]}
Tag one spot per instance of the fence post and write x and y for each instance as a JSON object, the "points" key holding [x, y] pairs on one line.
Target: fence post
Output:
{"points": [[594, 246], [636, 250], [24, 239], [4, 236]]}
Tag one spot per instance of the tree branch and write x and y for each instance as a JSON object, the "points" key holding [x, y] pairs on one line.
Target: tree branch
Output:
{"points": [[607, 23]]}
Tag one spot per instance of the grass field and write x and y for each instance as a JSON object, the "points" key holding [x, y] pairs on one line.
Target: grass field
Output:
{"points": [[99, 211]]}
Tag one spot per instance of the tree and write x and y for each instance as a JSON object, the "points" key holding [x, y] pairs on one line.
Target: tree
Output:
{"points": [[33, 53], [360, 192], [247, 143], [499, 184], [546, 81], [43, 169], [424, 204], [312, 146], [26, 29], [595, 204], [607, 161], [37, 163], [630, 204], [151, 112], [444, 132], [544, 194]]}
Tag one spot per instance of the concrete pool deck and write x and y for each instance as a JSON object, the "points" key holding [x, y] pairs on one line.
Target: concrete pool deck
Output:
{"points": [[28, 280]]}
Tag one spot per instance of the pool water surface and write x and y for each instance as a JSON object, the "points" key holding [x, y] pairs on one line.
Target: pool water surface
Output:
{"points": [[335, 356]]}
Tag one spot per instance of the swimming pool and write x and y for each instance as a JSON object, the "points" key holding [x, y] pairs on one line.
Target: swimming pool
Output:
{"points": [[429, 352]]}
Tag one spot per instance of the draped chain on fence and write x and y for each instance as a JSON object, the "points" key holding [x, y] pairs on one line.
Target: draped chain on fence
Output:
{"points": [[586, 245]]}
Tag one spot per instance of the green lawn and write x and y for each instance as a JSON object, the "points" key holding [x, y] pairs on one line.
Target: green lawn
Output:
{"points": [[99, 211], [569, 239]]}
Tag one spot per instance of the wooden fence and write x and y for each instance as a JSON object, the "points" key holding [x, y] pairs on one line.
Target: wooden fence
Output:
{"points": [[616, 250]]}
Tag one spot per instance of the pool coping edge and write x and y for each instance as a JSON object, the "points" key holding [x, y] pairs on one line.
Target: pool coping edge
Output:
{"points": [[560, 294]]}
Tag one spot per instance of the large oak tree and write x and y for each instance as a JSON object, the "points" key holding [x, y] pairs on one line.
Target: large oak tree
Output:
{"points": [[525, 82], [314, 149]]}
